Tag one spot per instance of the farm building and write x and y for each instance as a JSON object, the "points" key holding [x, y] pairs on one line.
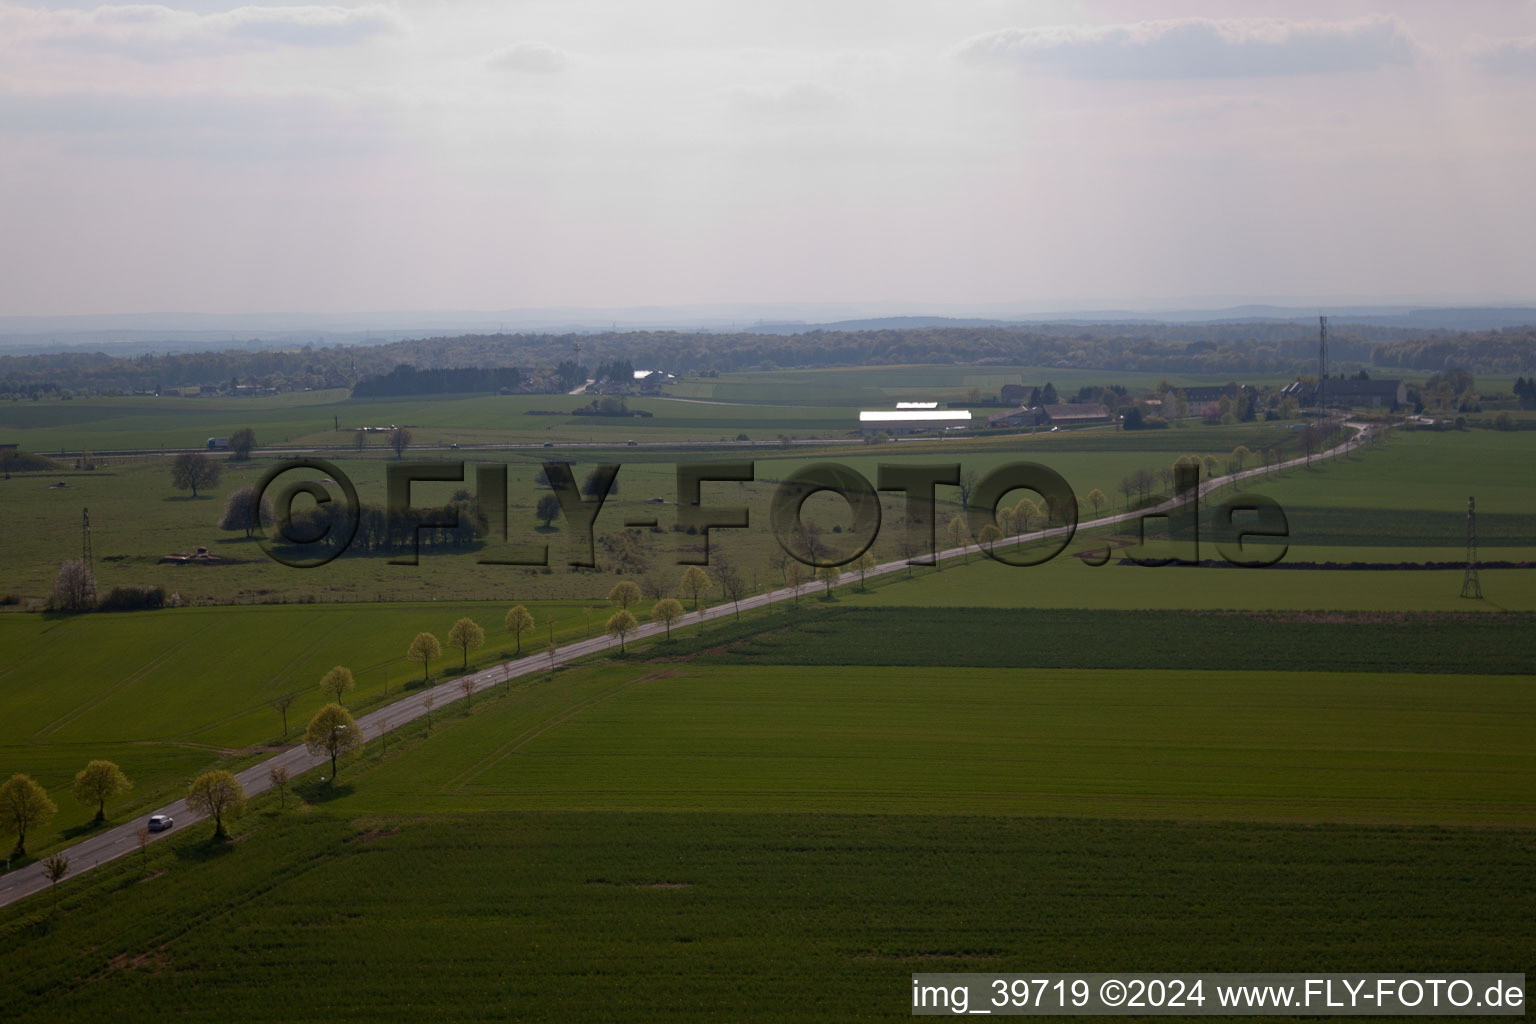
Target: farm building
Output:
{"points": [[1023, 416], [1014, 394], [911, 421], [1071, 415], [1374, 393]]}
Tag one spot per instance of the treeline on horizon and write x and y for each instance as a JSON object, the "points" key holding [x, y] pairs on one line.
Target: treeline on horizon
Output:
{"points": [[1233, 350]]}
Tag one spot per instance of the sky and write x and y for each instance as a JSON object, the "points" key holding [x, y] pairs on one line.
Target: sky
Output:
{"points": [[959, 154]]}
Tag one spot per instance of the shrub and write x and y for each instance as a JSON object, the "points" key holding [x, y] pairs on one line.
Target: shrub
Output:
{"points": [[133, 599]]}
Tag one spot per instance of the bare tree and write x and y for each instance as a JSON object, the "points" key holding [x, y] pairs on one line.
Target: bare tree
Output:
{"points": [[242, 442], [967, 486], [193, 470], [56, 867], [143, 835], [399, 440], [74, 587], [467, 688], [427, 702], [278, 776], [281, 706], [731, 582]]}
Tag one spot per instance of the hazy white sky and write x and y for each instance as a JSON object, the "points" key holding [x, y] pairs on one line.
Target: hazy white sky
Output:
{"points": [[529, 153]]}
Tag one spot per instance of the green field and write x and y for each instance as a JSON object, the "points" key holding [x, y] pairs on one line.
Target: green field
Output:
{"points": [[167, 694], [771, 917], [970, 767]]}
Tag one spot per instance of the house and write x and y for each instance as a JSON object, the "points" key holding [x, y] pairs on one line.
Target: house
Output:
{"points": [[1202, 394], [1373, 393], [1350, 393], [1074, 414], [1023, 416], [1014, 394], [911, 421]]}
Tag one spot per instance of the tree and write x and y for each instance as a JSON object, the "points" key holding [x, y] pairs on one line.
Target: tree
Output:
{"points": [[620, 624], [1240, 455], [143, 835], [865, 564], [967, 488], [667, 611], [242, 442], [467, 636], [56, 867], [217, 794], [990, 535], [24, 805], [99, 782], [427, 702], [423, 649], [828, 576], [74, 587], [334, 733], [793, 574], [548, 509], [694, 580], [278, 776], [1098, 500], [731, 582], [519, 621], [335, 683], [360, 439], [240, 513], [958, 530], [467, 688], [192, 470], [281, 706], [399, 440], [624, 593]]}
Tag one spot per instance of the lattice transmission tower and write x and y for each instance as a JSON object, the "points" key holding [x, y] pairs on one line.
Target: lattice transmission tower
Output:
{"points": [[1470, 587], [85, 555]]}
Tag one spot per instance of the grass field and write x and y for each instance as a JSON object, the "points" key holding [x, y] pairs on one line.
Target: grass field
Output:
{"points": [[977, 767], [137, 516], [166, 694], [1172, 744], [641, 917]]}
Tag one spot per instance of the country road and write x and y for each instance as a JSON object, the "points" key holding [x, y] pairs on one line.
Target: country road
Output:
{"points": [[122, 839]]}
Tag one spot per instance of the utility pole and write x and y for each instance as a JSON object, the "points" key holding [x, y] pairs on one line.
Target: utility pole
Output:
{"points": [[1470, 587], [1322, 363]]}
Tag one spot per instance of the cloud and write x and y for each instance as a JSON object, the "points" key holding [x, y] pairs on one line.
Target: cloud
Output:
{"points": [[1507, 56], [529, 58], [155, 32], [800, 98], [1197, 48]]}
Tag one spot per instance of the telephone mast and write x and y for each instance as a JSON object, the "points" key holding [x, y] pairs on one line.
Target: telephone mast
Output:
{"points": [[1470, 587]]}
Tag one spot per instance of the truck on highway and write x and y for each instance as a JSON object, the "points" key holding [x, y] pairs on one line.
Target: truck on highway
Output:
{"points": [[215, 443]]}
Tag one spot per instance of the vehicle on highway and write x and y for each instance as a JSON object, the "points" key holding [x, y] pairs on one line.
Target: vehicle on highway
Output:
{"points": [[160, 822]]}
